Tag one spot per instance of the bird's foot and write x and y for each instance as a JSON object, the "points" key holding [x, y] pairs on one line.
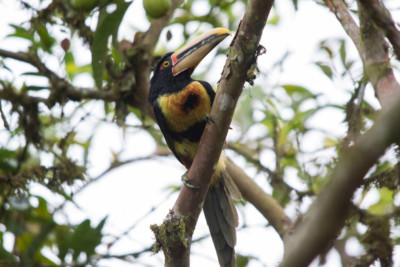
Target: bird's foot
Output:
{"points": [[185, 181]]}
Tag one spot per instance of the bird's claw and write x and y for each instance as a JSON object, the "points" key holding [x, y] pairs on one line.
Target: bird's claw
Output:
{"points": [[209, 119], [185, 181]]}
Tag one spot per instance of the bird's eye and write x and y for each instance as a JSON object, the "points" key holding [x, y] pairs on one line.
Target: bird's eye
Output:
{"points": [[166, 64]]}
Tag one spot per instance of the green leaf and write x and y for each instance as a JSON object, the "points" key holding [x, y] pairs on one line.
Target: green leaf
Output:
{"points": [[385, 203], [242, 260], [108, 24], [42, 210], [342, 52], [325, 69], [297, 124], [281, 195], [323, 45], [34, 88], [330, 142], [21, 33], [348, 66], [295, 4], [72, 69], [298, 93], [31, 73], [300, 118], [244, 114], [274, 20], [38, 240], [63, 239], [4, 254], [8, 161], [86, 238], [46, 40], [86, 150]]}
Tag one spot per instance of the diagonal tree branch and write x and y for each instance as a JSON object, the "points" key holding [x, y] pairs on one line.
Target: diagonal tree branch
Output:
{"points": [[376, 60], [383, 19], [240, 58], [62, 88], [339, 8], [329, 210], [372, 48]]}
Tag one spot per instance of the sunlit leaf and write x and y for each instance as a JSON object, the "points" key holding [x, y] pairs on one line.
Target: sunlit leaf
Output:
{"points": [[244, 114], [329, 142], [385, 203], [273, 20]]}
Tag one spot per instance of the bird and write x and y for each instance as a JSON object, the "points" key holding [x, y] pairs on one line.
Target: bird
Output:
{"points": [[181, 107]]}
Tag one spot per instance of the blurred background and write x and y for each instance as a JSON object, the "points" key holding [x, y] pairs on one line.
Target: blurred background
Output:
{"points": [[82, 179]]}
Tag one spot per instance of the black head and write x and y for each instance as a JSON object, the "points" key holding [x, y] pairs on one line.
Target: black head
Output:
{"points": [[172, 72], [164, 81]]}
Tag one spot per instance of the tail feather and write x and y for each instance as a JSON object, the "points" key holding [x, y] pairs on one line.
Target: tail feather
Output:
{"points": [[224, 216], [227, 206], [221, 217]]}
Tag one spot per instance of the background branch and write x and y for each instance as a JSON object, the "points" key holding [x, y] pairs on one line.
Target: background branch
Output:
{"points": [[372, 48], [376, 59], [329, 210], [383, 19], [339, 8]]}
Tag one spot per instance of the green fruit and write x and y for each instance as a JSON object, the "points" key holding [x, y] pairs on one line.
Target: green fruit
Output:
{"points": [[156, 8], [85, 5]]}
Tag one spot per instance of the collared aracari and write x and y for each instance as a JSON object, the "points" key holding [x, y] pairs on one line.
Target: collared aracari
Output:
{"points": [[182, 106]]}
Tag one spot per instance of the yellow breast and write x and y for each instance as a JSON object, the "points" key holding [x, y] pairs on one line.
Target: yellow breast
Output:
{"points": [[186, 107]]}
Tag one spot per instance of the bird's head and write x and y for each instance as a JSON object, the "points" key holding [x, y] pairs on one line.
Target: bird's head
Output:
{"points": [[176, 67]]}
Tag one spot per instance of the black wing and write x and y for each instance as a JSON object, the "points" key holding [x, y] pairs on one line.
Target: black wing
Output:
{"points": [[209, 90]]}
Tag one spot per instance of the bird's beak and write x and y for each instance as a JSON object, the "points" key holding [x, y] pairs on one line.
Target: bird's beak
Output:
{"points": [[190, 55]]}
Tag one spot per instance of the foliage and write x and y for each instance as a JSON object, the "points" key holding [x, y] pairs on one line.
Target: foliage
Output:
{"points": [[50, 119]]}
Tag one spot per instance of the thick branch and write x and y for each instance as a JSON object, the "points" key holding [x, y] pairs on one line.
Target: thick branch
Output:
{"points": [[34, 61], [376, 60], [343, 15], [61, 87], [383, 19], [328, 211], [372, 48], [240, 58]]}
